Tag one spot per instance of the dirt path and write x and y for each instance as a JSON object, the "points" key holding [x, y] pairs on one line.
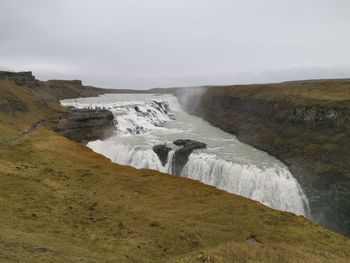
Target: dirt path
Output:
{"points": [[24, 134]]}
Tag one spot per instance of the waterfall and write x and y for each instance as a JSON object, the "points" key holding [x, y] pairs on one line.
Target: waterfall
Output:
{"points": [[144, 121], [273, 186], [133, 156]]}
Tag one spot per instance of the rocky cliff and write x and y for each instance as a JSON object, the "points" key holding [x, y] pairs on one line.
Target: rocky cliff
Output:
{"points": [[69, 89], [20, 78], [304, 124], [82, 125]]}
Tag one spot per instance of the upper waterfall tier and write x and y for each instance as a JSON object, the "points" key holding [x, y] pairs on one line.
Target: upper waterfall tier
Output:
{"points": [[146, 120]]}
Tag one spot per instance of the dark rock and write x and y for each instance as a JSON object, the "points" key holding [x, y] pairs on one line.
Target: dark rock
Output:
{"points": [[162, 151], [20, 78], [181, 155], [84, 125], [10, 106], [190, 144]]}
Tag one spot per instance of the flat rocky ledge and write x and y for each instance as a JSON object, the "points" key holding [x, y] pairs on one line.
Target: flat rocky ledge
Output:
{"points": [[84, 125]]}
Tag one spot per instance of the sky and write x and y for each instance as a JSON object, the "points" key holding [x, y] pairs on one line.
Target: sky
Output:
{"points": [[143, 44]]}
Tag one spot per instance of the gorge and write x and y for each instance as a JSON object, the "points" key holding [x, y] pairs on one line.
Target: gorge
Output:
{"points": [[61, 201], [212, 156]]}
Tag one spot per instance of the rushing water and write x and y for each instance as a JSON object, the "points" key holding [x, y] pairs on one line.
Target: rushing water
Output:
{"points": [[146, 120]]}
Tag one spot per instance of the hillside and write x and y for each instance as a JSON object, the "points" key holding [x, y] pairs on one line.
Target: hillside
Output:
{"points": [[306, 124], [61, 202]]}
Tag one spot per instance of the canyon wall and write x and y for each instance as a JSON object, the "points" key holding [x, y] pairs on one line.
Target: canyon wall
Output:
{"points": [[304, 124], [25, 78]]}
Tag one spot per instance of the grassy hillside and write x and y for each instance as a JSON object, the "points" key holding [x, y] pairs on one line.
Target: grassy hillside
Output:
{"points": [[61, 202], [21, 106], [300, 92]]}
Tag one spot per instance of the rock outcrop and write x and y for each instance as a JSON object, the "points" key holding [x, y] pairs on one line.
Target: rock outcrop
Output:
{"points": [[84, 125], [306, 125], [70, 89], [162, 151], [20, 78], [12, 106], [181, 155]]}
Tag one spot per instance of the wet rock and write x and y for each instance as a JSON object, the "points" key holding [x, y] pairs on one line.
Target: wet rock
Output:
{"points": [[162, 151], [182, 154], [190, 144]]}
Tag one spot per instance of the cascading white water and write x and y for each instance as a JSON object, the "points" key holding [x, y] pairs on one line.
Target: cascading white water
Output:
{"points": [[134, 156], [132, 117], [146, 120], [249, 181]]}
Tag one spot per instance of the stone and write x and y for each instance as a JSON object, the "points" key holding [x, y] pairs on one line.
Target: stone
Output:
{"points": [[84, 125], [20, 78], [182, 154], [162, 151]]}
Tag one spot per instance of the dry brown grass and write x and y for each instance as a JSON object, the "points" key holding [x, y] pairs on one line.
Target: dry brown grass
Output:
{"points": [[59, 195], [298, 92]]}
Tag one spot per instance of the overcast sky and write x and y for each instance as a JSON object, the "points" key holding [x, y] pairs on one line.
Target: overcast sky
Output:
{"points": [[156, 43]]}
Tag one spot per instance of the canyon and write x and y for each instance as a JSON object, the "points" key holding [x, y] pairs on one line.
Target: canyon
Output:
{"points": [[61, 201]]}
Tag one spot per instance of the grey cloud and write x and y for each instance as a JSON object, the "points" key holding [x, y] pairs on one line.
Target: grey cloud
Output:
{"points": [[143, 44]]}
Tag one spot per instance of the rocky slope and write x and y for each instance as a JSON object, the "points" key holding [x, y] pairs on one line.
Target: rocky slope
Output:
{"points": [[304, 124], [78, 125]]}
